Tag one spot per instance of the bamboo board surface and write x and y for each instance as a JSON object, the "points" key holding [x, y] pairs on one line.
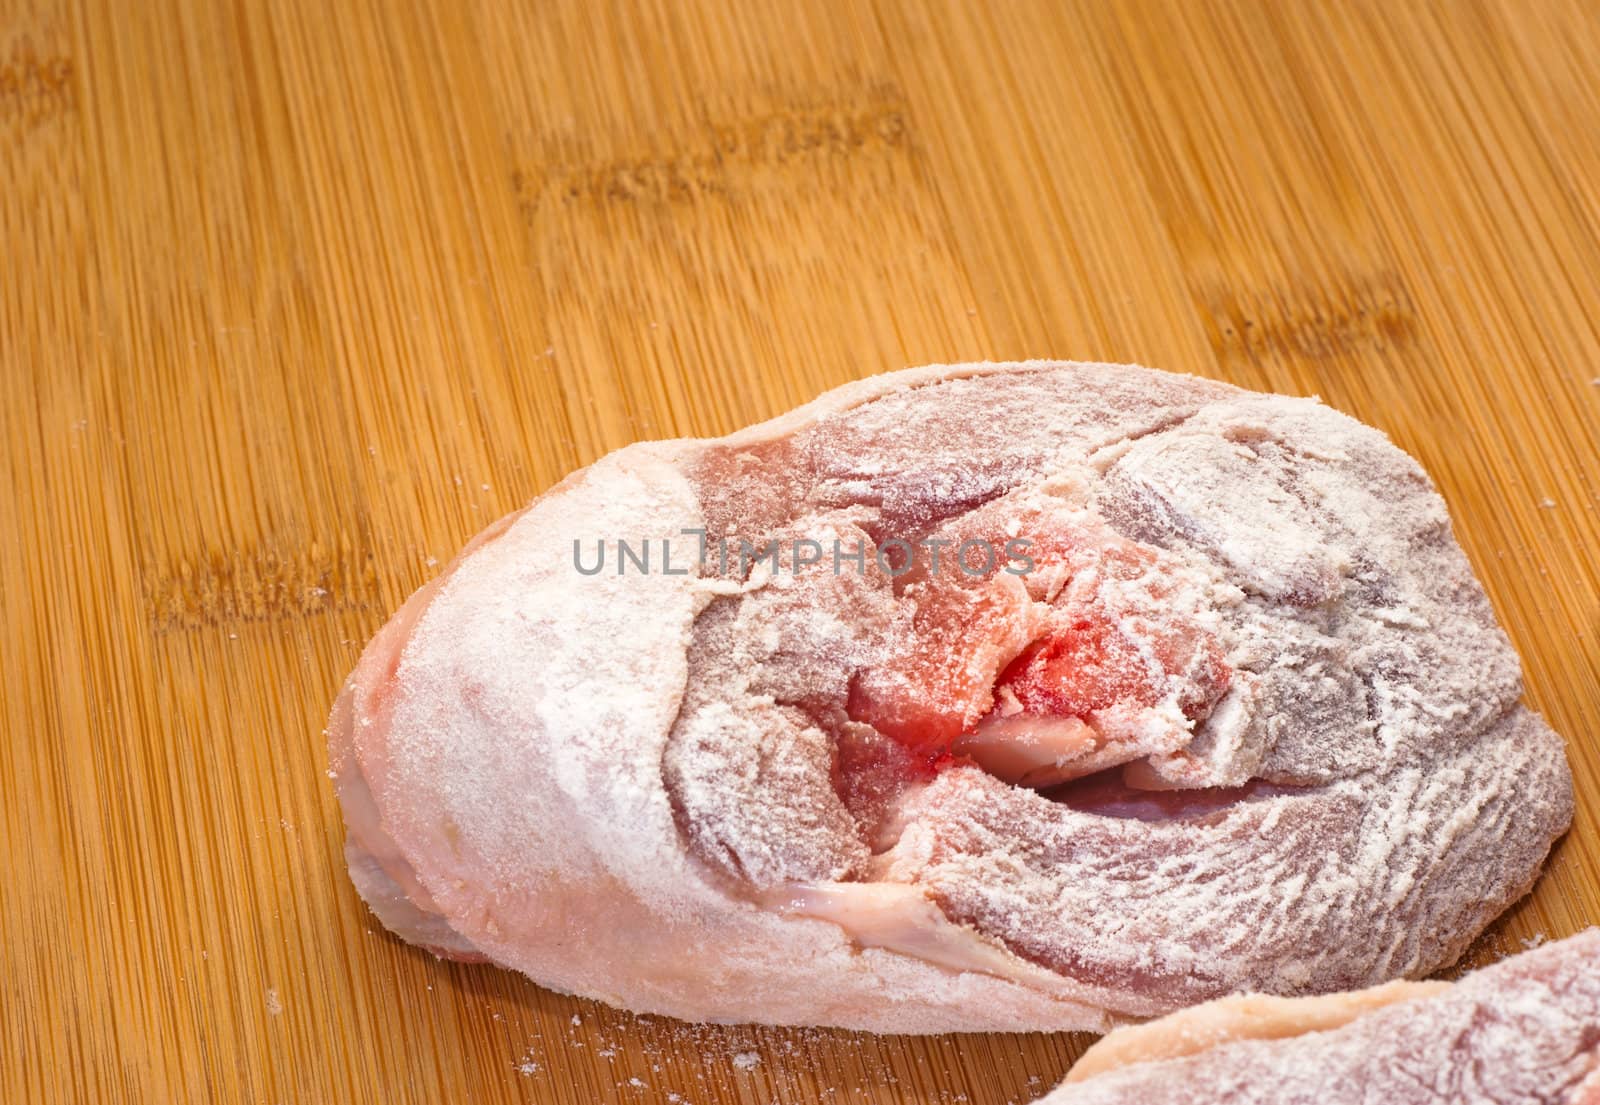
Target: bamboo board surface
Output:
{"points": [[296, 296]]}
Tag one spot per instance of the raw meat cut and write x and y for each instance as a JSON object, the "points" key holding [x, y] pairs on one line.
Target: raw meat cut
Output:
{"points": [[1026, 696], [1526, 1030]]}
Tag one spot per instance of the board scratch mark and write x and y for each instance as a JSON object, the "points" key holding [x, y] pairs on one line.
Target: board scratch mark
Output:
{"points": [[225, 586], [721, 159]]}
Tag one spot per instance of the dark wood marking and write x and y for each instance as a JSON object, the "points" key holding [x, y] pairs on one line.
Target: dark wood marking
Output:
{"points": [[226, 586], [1373, 315], [722, 158], [35, 87]]}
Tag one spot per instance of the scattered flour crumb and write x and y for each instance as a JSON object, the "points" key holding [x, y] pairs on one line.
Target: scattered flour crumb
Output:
{"points": [[274, 1003], [576, 1020], [747, 1060], [1548, 504], [1534, 941]]}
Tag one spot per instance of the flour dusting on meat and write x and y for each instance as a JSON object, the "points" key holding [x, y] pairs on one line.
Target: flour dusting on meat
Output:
{"points": [[1245, 721]]}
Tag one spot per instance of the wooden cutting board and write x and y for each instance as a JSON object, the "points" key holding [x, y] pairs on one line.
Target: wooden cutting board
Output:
{"points": [[296, 296]]}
